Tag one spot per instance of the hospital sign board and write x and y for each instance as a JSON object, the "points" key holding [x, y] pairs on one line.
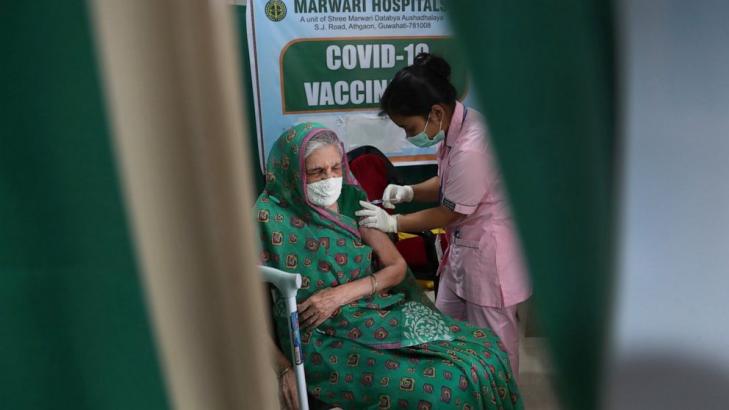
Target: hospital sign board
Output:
{"points": [[330, 61]]}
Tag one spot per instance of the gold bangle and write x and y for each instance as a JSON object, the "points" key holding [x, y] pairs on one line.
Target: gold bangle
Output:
{"points": [[283, 372], [374, 284]]}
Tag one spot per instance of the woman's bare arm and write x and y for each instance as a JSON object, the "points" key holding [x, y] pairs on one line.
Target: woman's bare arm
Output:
{"points": [[436, 217], [320, 306], [426, 191]]}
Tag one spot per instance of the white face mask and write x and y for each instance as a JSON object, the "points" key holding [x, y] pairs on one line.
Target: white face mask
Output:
{"points": [[325, 192]]}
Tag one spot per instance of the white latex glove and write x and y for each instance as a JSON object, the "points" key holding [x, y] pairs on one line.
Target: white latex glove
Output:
{"points": [[376, 217], [396, 194]]}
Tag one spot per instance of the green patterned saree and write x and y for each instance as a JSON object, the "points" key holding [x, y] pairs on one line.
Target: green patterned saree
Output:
{"points": [[391, 350]]}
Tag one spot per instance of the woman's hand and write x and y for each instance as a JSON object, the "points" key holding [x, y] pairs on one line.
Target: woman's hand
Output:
{"points": [[319, 307], [376, 218], [396, 194], [288, 394]]}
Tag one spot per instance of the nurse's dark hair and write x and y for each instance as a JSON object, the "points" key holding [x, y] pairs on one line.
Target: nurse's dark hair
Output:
{"points": [[416, 88]]}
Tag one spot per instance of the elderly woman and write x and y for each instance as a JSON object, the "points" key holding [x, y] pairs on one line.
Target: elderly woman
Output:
{"points": [[370, 338]]}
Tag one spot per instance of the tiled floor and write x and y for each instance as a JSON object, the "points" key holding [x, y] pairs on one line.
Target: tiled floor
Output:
{"points": [[535, 375]]}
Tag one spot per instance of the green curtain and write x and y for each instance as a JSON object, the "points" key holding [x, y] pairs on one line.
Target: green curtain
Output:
{"points": [[74, 331], [545, 77]]}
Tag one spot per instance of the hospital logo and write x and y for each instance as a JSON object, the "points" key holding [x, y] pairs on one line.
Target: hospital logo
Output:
{"points": [[275, 10]]}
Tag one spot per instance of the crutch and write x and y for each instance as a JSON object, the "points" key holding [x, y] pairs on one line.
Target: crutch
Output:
{"points": [[288, 284]]}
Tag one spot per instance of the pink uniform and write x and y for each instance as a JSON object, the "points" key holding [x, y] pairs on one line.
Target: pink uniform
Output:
{"points": [[483, 275]]}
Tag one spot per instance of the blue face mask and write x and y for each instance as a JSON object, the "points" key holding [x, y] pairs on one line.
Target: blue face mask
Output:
{"points": [[422, 140]]}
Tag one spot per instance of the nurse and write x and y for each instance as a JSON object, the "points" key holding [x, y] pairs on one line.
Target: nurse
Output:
{"points": [[482, 274]]}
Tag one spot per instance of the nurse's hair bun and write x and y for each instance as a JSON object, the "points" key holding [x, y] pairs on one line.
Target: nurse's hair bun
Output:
{"points": [[433, 63], [416, 88]]}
